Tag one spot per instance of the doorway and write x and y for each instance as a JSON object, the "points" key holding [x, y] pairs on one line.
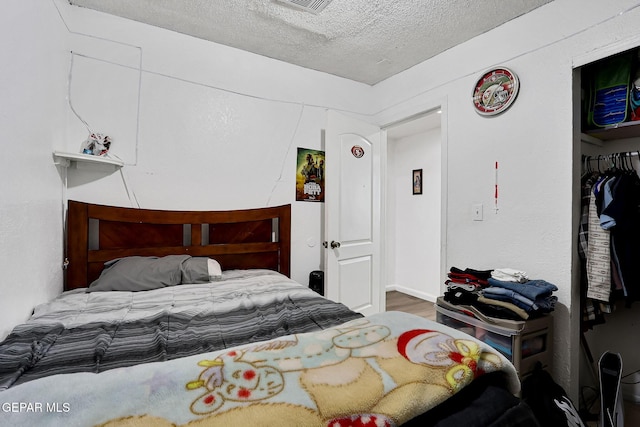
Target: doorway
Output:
{"points": [[415, 231]]}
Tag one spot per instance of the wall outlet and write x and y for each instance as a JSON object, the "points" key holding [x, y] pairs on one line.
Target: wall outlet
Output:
{"points": [[476, 212]]}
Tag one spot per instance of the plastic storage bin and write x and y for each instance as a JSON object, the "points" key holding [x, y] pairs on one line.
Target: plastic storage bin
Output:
{"points": [[522, 342]]}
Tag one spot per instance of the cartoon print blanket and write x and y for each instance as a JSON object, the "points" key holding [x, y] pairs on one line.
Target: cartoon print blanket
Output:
{"points": [[383, 369]]}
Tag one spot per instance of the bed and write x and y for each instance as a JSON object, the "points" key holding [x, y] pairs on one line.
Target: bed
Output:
{"points": [[190, 318]]}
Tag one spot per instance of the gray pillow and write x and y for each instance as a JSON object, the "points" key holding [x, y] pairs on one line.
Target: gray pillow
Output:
{"points": [[195, 270], [137, 273]]}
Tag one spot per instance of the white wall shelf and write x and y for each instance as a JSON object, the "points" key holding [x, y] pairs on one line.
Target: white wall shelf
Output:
{"points": [[65, 159]]}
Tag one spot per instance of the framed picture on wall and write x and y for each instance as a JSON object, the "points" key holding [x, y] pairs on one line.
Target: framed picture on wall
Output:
{"points": [[417, 181]]}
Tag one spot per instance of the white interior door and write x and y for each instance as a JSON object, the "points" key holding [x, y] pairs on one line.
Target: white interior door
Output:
{"points": [[353, 214]]}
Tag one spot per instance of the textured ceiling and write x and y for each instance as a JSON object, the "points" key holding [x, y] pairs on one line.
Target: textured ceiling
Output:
{"points": [[362, 40]]}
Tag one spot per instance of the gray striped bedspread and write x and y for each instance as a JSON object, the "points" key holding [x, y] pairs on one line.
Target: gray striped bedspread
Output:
{"points": [[99, 331]]}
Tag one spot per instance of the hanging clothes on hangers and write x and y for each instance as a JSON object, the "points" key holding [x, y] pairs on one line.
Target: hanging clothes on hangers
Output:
{"points": [[592, 311], [609, 235], [598, 250], [622, 217]]}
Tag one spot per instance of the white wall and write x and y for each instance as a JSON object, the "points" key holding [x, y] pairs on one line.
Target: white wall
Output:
{"points": [[213, 127], [33, 79], [533, 142], [413, 244]]}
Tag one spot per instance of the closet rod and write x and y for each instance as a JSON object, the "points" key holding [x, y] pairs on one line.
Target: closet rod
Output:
{"points": [[611, 159], [590, 158]]}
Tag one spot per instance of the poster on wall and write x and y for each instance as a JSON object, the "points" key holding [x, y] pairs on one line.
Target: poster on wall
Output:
{"points": [[310, 175]]}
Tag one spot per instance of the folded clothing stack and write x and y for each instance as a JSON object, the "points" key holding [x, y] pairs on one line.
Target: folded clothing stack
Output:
{"points": [[531, 296], [506, 293], [468, 279]]}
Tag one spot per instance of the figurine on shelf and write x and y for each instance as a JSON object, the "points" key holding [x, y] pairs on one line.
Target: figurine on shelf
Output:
{"points": [[96, 144]]}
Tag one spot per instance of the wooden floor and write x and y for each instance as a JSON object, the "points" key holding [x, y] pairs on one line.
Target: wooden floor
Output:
{"points": [[397, 301]]}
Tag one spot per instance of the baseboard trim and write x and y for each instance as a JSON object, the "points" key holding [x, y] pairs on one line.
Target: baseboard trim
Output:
{"points": [[422, 295]]}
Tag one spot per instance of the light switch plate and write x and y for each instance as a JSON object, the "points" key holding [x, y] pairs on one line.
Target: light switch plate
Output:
{"points": [[476, 212]]}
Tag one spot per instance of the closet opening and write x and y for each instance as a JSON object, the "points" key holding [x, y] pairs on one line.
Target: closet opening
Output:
{"points": [[607, 224]]}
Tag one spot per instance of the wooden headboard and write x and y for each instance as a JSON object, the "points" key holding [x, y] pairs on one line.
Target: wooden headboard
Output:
{"points": [[239, 239]]}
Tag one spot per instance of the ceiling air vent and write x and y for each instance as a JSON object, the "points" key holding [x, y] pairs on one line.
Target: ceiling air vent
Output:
{"points": [[314, 6]]}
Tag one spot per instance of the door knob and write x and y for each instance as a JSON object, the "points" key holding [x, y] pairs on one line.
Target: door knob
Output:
{"points": [[334, 244]]}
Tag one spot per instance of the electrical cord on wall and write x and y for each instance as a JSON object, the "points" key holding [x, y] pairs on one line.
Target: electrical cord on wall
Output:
{"points": [[130, 193], [284, 159], [65, 261], [84, 122], [139, 69]]}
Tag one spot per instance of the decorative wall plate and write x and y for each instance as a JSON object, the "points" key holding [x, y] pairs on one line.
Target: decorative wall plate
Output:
{"points": [[357, 151], [495, 91]]}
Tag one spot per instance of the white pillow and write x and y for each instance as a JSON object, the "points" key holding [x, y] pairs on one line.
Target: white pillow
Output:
{"points": [[215, 271]]}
